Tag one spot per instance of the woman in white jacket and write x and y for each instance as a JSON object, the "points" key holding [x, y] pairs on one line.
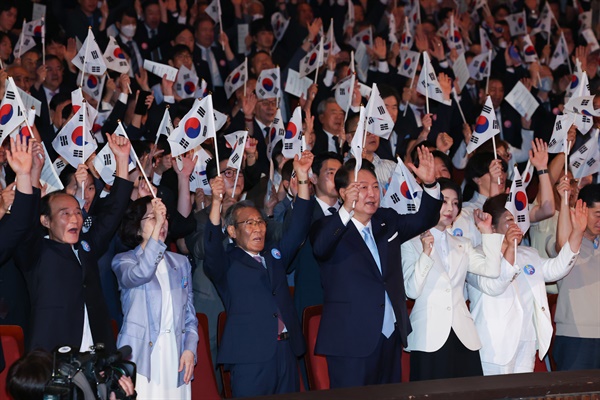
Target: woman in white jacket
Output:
{"points": [[511, 312], [444, 341]]}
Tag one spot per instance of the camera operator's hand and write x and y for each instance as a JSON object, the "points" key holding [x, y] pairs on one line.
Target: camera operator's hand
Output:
{"points": [[187, 361], [127, 385]]}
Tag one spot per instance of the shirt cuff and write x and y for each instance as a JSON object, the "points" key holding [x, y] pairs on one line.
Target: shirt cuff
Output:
{"points": [[169, 99], [345, 216], [355, 109], [105, 105], [434, 191], [383, 67], [123, 98], [328, 79], [156, 178]]}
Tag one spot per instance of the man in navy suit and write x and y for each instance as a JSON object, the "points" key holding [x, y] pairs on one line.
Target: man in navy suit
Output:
{"points": [[365, 320], [262, 338]]}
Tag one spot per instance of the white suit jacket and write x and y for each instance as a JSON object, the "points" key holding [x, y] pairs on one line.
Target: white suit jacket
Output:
{"points": [[438, 293], [498, 312], [141, 299]]}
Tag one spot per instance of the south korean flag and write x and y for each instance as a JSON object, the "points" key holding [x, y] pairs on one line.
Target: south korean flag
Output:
{"points": [[408, 63], [268, 85], [90, 59], [379, 121]]}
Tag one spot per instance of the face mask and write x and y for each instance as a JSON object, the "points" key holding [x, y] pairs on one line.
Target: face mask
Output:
{"points": [[546, 84], [128, 30]]}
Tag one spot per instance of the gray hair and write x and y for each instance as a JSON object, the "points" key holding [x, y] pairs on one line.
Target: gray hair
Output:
{"points": [[323, 105], [231, 213]]}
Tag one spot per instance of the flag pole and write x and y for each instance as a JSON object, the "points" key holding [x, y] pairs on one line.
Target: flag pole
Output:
{"points": [[515, 251], [487, 82], [220, 23], [83, 111], [426, 86], [245, 80], [87, 45], [43, 41], [412, 82], [158, 133], [566, 170], [462, 115], [237, 175], [319, 58], [495, 153], [137, 161]]}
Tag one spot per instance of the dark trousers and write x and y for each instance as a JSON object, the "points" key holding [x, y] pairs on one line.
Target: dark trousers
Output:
{"points": [[573, 354], [276, 376], [382, 366], [452, 360]]}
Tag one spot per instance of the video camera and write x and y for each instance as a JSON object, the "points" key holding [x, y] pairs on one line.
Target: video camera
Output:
{"points": [[91, 375]]}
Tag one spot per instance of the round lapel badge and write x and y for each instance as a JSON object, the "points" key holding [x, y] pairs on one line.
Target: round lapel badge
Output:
{"points": [[276, 254], [596, 242], [184, 282], [529, 269], [457, 232], [85, 246]]}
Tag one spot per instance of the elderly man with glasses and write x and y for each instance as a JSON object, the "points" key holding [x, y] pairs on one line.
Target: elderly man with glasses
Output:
{"points": [[262, 338]]}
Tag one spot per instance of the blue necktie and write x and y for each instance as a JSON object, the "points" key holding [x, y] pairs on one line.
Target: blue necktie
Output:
{"points": [[280, 324], [388, 314]]}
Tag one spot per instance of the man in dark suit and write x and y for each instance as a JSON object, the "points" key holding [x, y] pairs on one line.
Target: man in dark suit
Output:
{"points": [[365, 321], [152, 35], [331, 119], [262, 338], [62, 270]]}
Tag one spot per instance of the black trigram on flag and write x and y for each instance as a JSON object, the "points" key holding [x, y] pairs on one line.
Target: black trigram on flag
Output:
{"points": [[395, 198], [411, 207], [288, 146], [520, 218], [383, 127], [558, 125], [10, 94], [518, 183], [78, 153], [122, 63], [81, 59], [184, 143], [582, 149], [431, 76], [186, 76], [110, 59], [476, 63], [107, 159], [204, 131], [192, 178], [552, 143], [370, 121], [410, 71], [262, 92], [275, 121], [63, 140], [201, 112], [274, 75], [474, 139], [438, 90], [495, 124], [591, 162], [235, 158], [60, 164], [342, 91], [204, 181], [586, 119], [577, 164], [81, 118], [381, 110], [487, 109], [585, 102], [95, 55], [95, 69]]}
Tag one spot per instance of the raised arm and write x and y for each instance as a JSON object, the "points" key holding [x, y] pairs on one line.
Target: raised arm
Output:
{"points": [[539, 159]]}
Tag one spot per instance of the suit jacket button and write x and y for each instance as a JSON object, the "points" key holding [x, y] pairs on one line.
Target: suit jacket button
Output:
{"points": [[449, 308], [273, 293], [275, 315], [382, 305], [150, 344], [543, 308], [84, 286], [183, 331]]}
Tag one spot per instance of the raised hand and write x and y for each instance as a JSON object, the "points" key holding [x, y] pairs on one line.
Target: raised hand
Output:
{"points": [[539, 154], [217, 186], [188, 162], [427, 241], [483, 221], [302, 165], [350, 195], [119, 145], [160, 215], [563, 187], [579, 217], [426, 170], [443, 142]]}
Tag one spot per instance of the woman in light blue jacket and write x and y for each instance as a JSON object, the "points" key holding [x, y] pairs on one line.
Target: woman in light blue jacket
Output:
{"points": [[159, 322]]}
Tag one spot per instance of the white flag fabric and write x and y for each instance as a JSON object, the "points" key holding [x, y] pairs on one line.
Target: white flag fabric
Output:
{"points": [[194, 128], [90, 59], [517, 203], [356, 146], [330, 46], [517, 23], [529, 52], [237, 151], [49, 175], [30, 102], [186, 85], [312, 60], [93, 85], [562, 124], [349, 19], [579, 82], [279, 24], [115, 58], [414, 16], [586, 160], [379, 120], [214, 11], [582, 105], [585, 20], [276, 133], [392, 29], [408, 63], [480, 67], [343, 91], [559, 57], [220, 119], [527, 174], [428, 83], [407, 39], [35, 28], [166, 125], [404, 193], [23, 45], [77, 102], [268, 84], [365, 36], [292, 142], [544, 22], [485, 42], [106, 163], [74, 142], [237, 78], [590, 38], [11, 114], [486, 127], [198, 178], [454, 38]]}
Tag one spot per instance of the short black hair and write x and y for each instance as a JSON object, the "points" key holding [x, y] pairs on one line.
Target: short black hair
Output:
{"points": [[590, 194], [342, 176], [445, 159], [287, 169], [179, 49], [496, 206], [27, 377], [6, 5], [127, 11], [477, 166], [59, 98], [45, 207], [386, 90], [129, 230], [260, 25], [320, 159]]}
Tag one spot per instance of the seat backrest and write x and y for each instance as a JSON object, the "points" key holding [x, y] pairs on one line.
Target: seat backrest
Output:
{"points": [[13, 345], [204, 385], [225, 375], [316, 365]]}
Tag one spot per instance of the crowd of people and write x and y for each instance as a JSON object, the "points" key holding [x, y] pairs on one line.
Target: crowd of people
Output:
{"points": [[148, 247]]}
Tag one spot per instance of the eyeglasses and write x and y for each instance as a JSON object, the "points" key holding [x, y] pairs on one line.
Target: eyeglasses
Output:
{"points": [[253, 223], [229, 173]]}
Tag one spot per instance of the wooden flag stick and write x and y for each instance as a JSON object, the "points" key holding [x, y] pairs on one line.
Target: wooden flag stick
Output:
{"points": [[139, 164]]}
